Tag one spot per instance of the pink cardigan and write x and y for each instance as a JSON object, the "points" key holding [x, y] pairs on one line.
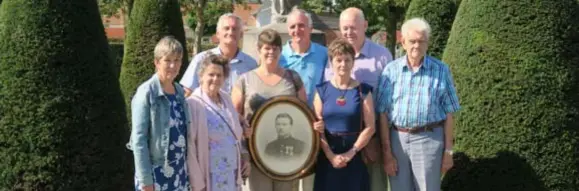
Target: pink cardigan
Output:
{"points": [[198, 140]]}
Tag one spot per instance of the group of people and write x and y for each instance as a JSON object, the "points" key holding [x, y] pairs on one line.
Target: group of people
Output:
{"points": [[379, 119]]}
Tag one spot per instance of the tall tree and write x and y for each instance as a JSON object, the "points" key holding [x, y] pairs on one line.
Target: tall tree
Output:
{"points": [[211, 14], [440, 15], [197, 6], [61, 110], [515, 66], [151, 20]]}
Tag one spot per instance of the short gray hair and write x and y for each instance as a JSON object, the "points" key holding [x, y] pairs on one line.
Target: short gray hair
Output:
{"points": [[416, 24], [226, 16], [166, 46], [211, 59], [296, 10]]}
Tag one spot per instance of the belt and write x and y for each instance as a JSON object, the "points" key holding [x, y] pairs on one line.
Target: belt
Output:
{"points": [[341, 134], [419, 129]]}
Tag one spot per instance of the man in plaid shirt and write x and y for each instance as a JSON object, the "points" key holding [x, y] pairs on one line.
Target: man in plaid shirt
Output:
{"points": [[416, 98]]}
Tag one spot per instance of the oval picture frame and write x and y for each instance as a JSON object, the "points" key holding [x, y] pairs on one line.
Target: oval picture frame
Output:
{"points": [[284, 145]]}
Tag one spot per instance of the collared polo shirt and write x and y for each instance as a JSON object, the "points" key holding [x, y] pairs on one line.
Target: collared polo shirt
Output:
{"points": [[418, 98], [240, 64], [368, 64], [309, 65]]}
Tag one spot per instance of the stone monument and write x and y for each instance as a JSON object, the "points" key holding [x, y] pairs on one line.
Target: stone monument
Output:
{"points": [[279, 9]]}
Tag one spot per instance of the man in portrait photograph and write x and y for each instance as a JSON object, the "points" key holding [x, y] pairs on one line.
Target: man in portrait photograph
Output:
{"points": [[285, 145]]}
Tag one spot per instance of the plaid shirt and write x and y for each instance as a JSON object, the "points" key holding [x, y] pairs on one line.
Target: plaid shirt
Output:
{"points": [[416, 98]]}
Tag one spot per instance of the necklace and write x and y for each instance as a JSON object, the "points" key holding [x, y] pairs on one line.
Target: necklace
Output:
{"points": [[341, 100]]}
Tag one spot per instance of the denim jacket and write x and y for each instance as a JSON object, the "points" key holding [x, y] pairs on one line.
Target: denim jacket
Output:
{"points": [[150, 127]]}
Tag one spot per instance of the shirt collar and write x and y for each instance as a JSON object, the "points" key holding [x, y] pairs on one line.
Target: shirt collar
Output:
{"points": [[425, 62], [237, 59], [156, 82], [289, 51], [365, 51]]}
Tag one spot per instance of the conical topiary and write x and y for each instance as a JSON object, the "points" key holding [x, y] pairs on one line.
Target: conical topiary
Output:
{"points": [[516, 66], [62, 115], [440, 15], [151, 20]]}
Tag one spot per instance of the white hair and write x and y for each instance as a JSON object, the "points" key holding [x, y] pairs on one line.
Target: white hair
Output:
{"points": [[416, 24], [226, 16], [166, 46], [297, 11], [353, 10]]}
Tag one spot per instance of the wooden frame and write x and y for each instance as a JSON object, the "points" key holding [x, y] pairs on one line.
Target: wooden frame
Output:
{"points": [[277, 156]]}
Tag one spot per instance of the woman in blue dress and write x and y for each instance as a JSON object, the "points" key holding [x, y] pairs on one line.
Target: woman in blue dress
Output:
{"points": [[160, 119], [343, 105]]}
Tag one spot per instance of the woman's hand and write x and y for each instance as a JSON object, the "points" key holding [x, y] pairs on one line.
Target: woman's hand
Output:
{"points": [[338, 161], [245, 168], [319, 126], [247, 131]]}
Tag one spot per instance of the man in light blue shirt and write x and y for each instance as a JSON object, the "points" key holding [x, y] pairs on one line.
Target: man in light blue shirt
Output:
{"points": [[302, 55], [305, 57], [229, 30], [416, 99]]}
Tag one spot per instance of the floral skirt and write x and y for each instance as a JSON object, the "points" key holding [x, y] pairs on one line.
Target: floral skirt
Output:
{"points": [[172, 177]]}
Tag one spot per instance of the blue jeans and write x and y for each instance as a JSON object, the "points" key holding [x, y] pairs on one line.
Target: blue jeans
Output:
{"points": [[419, 158]]}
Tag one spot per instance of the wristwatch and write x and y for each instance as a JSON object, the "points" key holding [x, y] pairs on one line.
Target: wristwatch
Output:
{"points": [[449, 151]]}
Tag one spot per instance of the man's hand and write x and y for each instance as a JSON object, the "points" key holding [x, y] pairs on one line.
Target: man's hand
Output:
{"points": [[390, 165], [187, 91], [447, 162], [148, 188]]}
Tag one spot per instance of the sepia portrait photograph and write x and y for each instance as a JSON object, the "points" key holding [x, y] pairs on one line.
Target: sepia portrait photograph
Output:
{"points": [[284, 141]]}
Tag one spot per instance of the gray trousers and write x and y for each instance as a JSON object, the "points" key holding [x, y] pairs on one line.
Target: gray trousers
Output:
{"points": [[261, 182], [419, 159]]}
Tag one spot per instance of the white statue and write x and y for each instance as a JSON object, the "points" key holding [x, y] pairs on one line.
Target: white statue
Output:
{"points": [[281, 8]]}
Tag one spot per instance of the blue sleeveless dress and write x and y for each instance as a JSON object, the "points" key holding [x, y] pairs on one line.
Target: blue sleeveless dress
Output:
{"points": [[173, 175], [342, 131]]}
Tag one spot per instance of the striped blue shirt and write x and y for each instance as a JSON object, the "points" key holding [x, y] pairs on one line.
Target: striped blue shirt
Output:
{"points": [[416, 98]]}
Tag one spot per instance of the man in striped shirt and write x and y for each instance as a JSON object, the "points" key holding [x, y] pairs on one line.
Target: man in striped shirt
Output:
{"points": [[416, 99]]}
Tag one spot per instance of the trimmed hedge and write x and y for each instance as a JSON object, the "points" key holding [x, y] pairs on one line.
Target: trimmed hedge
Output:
{"points": [[62, 115], [151, 20], [117, 52], [515, 64], [440, 15]]}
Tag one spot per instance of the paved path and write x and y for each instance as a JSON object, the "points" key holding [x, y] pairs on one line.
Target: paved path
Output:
{"points": [[246, 187]]}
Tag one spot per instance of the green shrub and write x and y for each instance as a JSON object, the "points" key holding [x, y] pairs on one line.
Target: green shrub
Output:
{"points": [[61, 110], [515, 63], [117, 50], [440, 15], [151, 20]]}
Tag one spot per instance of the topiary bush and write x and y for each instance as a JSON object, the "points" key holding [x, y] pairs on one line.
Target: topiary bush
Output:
{"points": [[515, 63], [440, 15], [62, 115], [117, 50], [150, 21]]}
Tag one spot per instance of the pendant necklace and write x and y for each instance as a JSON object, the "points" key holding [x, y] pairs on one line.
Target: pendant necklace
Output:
{"points": [[341, 100]]}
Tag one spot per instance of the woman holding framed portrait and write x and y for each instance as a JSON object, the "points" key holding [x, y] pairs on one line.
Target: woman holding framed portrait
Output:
{"points": [[345, 105], [257, 86]]}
